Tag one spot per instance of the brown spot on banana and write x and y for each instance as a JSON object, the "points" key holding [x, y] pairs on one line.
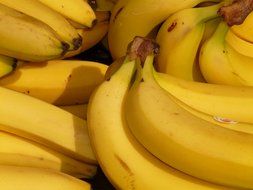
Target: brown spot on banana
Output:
{"points": [[172, 26]]}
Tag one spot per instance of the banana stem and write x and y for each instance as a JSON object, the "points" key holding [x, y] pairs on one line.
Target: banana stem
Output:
{"points": [[236, 13]]}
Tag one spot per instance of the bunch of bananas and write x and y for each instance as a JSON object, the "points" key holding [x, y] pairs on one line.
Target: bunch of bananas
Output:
{"points": [[173, 111]]}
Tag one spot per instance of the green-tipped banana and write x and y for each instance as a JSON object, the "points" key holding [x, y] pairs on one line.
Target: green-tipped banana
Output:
{"points": [[26, 38], [179, 39], [57, 22], [7, 65], [77, 10]]}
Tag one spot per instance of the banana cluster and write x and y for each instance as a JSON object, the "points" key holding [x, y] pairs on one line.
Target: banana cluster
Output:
{"points": [[38, 30]]}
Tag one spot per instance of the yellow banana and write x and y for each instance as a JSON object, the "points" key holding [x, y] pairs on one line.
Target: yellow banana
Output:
{"points": [[25, 178], [125, 162], [57, 22], [7, 65], [184, 141], [73, 83], [213, 60], [17, 151], [245, 30], [132, 18], [26, 38], [241, 46], [77, 10], [77, 110], [92, 36], [46, 124], [179, 39]]}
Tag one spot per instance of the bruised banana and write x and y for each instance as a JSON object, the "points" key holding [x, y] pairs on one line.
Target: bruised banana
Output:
{"points": [[7, 65], [73, 84], [126, 162], [25, 178], [26, 38], [56, 21], [179, 38], [77, 10], [17, 151], [150, 14], [46, 124], [184, 141]]}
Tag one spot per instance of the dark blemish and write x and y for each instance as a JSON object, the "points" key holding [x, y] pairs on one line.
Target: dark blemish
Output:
{"points": [[172, 26], [117, 14], [224, 51], [142, 80], [175, 113], [28, 92], [40, 158], [182, 23], [234, 73], [124, 165]]}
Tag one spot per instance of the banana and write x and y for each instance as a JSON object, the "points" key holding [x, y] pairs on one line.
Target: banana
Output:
{"points": [[210, 27], [126, 163], [244, 30], [46, 124], [132, 18], [77, 110], [92, 36], [77, 10], [241, 46], [26, 38], [57, 22], [17, 151], [73, 83], [7, 65], [25, 178], [183, 32], [184, 141], [214, 63], [224, 101]]}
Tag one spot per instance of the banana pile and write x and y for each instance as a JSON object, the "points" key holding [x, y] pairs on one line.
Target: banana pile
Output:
{"points": [[174, 110]]}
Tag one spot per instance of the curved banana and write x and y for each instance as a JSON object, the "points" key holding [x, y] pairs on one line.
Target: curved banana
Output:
{"points": [[77, 110], [184, 141], [7, 65], [244, 30], [77, 10], [179, 38], [125, 162], [241, 46], [57, 22], [92, 36], [224, 101], [26, 38], [213, 60], [17, 151], [132, 18], [73, 84], [46, 124], [25, 178]]}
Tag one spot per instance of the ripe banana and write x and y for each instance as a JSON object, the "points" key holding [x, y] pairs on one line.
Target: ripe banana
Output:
{"points": [[7, 65], [46, 124], [132, 18], [26, 38], [73, 83], [57, 22], [244, 30], [77, 110], [224, 101], [213, 60], [184, 141], [92, 36], [77, 10], [125, 162], [241, 46], [17, 151], [179, 39], [25, 178]]}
